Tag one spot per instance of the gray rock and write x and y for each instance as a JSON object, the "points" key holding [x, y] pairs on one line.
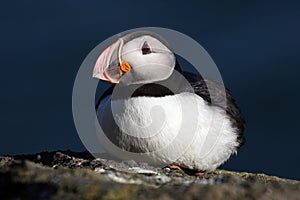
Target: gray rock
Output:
{"points": [[71, 175]]}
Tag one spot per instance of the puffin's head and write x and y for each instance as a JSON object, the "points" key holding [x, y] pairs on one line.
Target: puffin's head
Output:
{"points": [[136, 58]]}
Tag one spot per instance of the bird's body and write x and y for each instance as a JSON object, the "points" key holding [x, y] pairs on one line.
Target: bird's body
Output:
{"points": [[151, 118]]}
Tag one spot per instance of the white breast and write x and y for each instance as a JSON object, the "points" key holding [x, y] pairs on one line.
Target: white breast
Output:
{"points": [[179, 128]]}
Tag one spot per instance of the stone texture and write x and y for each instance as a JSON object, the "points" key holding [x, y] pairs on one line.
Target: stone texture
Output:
{"points": [[71, 175]]}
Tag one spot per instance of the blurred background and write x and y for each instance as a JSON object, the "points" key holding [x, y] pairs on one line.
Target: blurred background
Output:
{"points": [[255, 45]]}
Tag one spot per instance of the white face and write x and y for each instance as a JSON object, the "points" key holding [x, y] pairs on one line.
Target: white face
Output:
{"points": [[150, 60]]}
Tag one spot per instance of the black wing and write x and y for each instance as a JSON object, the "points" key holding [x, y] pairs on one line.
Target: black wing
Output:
{"points": [[200, 87]]}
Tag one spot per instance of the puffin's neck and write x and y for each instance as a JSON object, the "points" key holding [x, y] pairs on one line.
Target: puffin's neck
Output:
{"points": [[157, 89], [152, 90]]}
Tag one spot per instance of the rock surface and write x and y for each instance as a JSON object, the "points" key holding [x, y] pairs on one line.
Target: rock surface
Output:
{"points": [[71, 175]]}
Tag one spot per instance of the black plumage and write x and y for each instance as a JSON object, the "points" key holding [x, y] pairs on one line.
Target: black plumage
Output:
{"points": [[214, 96]]}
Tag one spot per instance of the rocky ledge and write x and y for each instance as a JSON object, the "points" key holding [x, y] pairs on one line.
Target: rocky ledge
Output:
{"points": [[71, 175]]}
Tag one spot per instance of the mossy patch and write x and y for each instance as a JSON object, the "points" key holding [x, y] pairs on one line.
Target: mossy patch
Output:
{"points": [[125, 192], [24, 179]]}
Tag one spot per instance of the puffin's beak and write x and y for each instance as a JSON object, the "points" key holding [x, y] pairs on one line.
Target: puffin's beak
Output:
{"points": [[107, 67]]}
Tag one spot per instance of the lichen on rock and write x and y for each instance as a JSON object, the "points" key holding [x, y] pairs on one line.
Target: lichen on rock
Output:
{"points": [[71, 175]]}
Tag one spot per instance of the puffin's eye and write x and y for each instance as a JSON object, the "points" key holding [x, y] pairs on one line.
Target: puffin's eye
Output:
{"points": [[146, 48]]}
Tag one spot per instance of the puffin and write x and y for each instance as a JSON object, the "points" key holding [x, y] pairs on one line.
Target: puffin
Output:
{"points": [[152, 101]]}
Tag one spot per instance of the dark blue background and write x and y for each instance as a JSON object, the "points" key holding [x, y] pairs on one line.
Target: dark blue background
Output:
{"points": [[255, 45]]}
